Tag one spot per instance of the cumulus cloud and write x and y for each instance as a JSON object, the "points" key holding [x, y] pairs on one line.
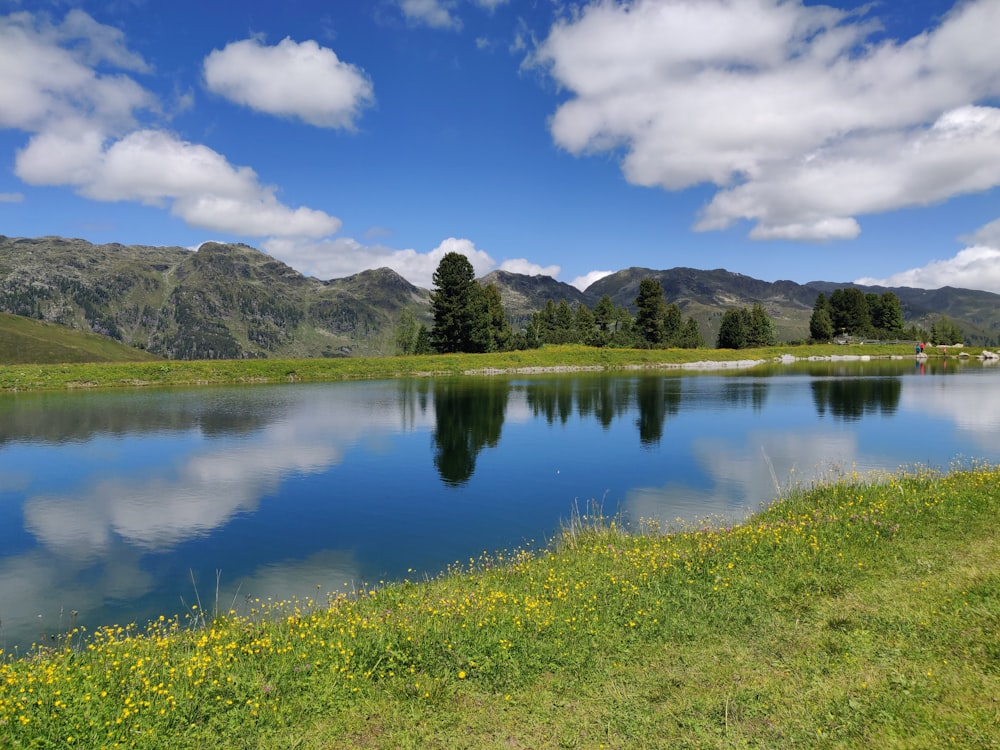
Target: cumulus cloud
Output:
{"points": [[972, 268], [290, 79], [85, 132], [340, 257], [988, 235], [157, 168], [797, 113], [49, 76], [582, 282], [11, 197], [343, 256], [440, 14], [434, 13], [526, 267]]}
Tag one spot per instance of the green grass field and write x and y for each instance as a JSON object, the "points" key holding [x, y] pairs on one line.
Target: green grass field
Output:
{"points": [[206, 372], [24, 340], [858, 613]]}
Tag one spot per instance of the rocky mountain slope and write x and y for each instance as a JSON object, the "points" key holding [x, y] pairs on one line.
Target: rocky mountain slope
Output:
{"points": [[223, 301]]}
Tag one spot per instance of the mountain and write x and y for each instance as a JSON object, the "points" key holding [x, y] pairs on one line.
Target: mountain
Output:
{"points": [[706, 295], [233, 301], [223, 301], [522, 295]]}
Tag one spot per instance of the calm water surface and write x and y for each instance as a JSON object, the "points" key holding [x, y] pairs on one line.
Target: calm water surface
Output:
{"points": [[122, 506]]}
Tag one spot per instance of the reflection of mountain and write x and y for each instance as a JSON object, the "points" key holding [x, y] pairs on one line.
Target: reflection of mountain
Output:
{"points": [[852, 398], [469, 417], [60, 417]]}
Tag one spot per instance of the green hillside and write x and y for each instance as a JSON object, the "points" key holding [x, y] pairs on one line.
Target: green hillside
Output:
{"points": [[27, 341]]}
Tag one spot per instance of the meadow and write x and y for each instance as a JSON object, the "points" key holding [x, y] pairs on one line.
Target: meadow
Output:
{"points": [[22, 377], [862, 611]]}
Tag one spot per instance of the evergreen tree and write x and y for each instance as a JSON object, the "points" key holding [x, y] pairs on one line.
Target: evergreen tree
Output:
{"points": [[849, 312], [624, 329], [584, 324], [604, 314], [422, 343], [887, 316], [821, 324], [672, 323], [945, 332], [760, 327], [453, 302], [734, 330], [490, 330], [650, 307], [565, 324], [545, 323], [690, 336], [406, 332]]}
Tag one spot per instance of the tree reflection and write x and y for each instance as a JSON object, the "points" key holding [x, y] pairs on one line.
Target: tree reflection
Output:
{"points": [[469, 416], [741, 393], [851, 398], [655, 398], [606, 398], [552, 399], [602, 397]]}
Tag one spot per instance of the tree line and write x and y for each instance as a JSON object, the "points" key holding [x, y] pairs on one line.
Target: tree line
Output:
{"points": [[469, 317], [850, 312]]}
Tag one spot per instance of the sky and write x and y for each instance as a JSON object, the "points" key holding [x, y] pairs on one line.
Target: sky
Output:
{"points": [[780, 139]]}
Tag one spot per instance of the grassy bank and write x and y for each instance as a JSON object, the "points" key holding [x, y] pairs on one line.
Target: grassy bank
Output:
{"points": [[25, 340], [857, 613], [131, 374]]}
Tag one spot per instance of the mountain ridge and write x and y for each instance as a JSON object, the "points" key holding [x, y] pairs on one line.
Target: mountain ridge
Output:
{"points": [[234, 301]]}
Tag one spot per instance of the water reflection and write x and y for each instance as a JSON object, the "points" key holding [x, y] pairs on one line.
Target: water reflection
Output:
{"points": [[63, 417], [852, 399], [469, 416], [655, 399], [111, 502]]}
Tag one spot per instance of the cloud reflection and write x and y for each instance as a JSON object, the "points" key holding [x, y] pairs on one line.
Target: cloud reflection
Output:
{"points": [[743, 474], [205, 490]]}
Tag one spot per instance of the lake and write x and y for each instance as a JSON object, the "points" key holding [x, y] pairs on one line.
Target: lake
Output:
{"points": [[118, 506]]}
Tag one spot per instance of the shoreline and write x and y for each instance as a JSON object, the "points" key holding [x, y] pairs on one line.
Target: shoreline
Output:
{"points": [[735, 364]]}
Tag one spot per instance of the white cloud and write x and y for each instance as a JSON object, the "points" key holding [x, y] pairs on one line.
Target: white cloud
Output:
{"points": [[97, 43], [85, 133], [157, 168], [47, 75], [958, 154], [988, 235], [343, 256], [972, 268], [11, 197], [800, 119], [582, 282], [434, 13], [526, 267], [290, 79], [337, 258]]}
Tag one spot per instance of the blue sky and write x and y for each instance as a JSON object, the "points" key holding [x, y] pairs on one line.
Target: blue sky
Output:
{"points": [[778, 139]]}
